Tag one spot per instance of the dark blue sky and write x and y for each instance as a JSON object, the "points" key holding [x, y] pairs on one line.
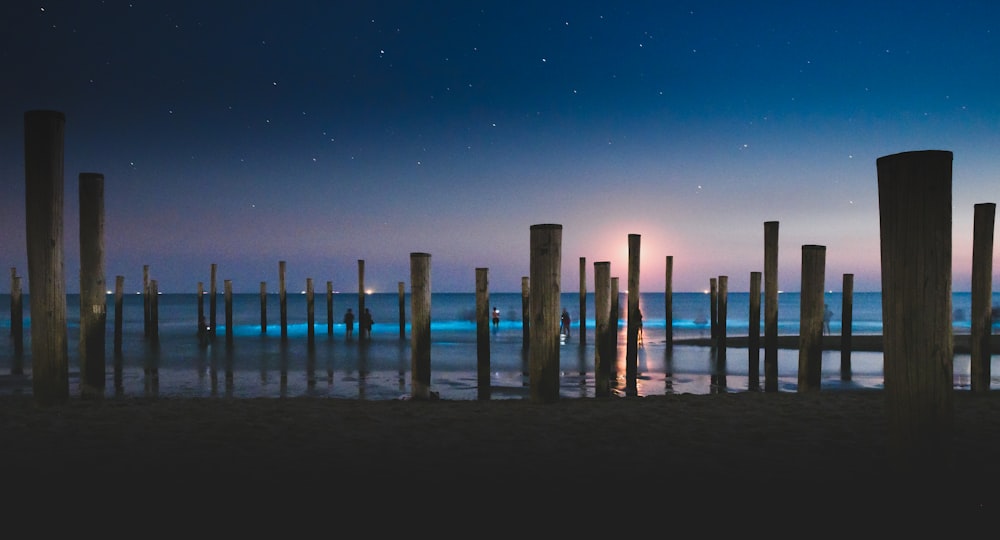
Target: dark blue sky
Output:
{"points": [[321, 133]]}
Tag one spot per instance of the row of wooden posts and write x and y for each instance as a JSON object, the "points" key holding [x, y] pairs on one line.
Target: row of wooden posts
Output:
{"points": [[915, 231]]}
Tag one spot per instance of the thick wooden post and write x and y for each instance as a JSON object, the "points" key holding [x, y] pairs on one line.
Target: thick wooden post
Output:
{"points": [[44, 133], [770, 306], [543, 353], [525, 312], [982, 295], [753, 338], [310, 315], [811, 308], [602, 325], [483, 332], [668, 302], [915, 227], [402, 310], [582, 318], [361, 299], [632, 322], [212, 297], [93, 289], [227, 295], [282, 301], [846, 332], [263, 307], [420, 326]]}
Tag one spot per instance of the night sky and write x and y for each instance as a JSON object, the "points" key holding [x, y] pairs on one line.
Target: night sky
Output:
{"points": [[323, 132]]}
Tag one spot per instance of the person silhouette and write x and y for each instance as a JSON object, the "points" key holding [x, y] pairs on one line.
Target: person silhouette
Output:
{"points": [[496, 318], [564, 323], [827, 314], [366, 324], [349, 323]]}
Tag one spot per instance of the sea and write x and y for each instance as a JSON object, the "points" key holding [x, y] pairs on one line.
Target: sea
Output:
{"points": [[253, 355]]}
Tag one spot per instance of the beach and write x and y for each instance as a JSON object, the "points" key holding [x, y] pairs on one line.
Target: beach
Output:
{"points": [[744, 452]]}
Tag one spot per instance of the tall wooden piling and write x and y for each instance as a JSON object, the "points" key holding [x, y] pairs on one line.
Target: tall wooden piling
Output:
{"points": [[811, 308], [483, 332], [263, 307], [401, 286], [525, 312], [543, 353], [227, 298], [723, 314], [329, 308], [420, 325], [602, 325], [212, 297], [915, 218], [44, 133], [282, 301], [846, 321], [982, 296], [668, 302], [582, 317], [633, 316], [310, 315], [770, 306], [361, 299], [753, 338], [93, 288]]}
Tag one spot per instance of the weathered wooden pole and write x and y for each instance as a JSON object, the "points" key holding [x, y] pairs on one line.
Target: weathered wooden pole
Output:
{"points": [[17, 326], [846, 332], [420, 326], [44, 133], [525, 311], [753, 338], [212, 297], [145, 300], [93, 288], [361, 299], [582, 318], [282, 301], [602, 326], [915, 228], [402, 310], [723, 315], [668, 302], [982, 296], [329, 308], [632, 322], [310, 315], [227, 292], [811, 308], [614, 328], [483, 332], [543, 353], [770, 306], [119, 328], [263, 307]]}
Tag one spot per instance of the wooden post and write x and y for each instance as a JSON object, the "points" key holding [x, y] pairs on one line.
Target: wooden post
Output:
{"points": [[227, 292], [525, 312], [770, 306], [17, 326], [723, 316], [483, 332], [402, 310], [582, 318], [310, 315], [811, 308], [263, 307], [982, 296], [154, 311], [915, 218], [44, 132], [668, 302], [543, 353], [119, 327], [329, 308], [145, 301], [713, 309], [201, 307], [212, 296], [753, 338], [420, 327], [361, 299], [846, 320], [282, 301], [93, 289], [632, 322], [602, 326], [613, 329]]}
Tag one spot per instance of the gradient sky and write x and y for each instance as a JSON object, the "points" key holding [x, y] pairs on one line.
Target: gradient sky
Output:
{"points": [[324, 132]]}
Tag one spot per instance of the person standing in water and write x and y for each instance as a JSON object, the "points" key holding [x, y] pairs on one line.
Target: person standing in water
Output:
{"points": [[349, 323]]}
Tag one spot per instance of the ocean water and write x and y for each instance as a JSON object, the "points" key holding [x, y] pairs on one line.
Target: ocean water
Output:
{"points": [[258, 362]]}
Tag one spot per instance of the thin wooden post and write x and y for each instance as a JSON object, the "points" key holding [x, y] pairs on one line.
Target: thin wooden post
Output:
{"points": [[543, 354], [525, 312], [770, 306], [420, 329], [44, 133], [227, 292], [154, 311], [201, 311], [282, 301], [602, 326], [632, 322], [93, 289], [723, 320], [713, 309], [212, 298], [483, 332], [263, 307], [811, 308], [361, 300], [982, 296], [668, 302], [402, 310], [582, 318], [310, 315], [915, 218], [329, 308], [846, 332], [753, 338]]}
